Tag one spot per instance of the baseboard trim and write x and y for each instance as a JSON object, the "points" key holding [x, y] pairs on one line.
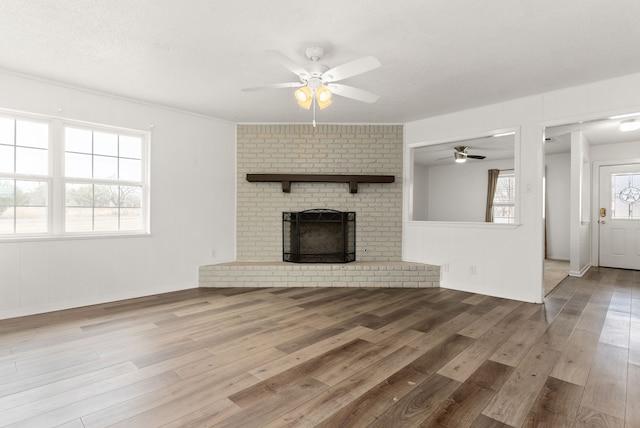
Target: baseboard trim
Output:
{"points": [[89, 301], [580, 273]]}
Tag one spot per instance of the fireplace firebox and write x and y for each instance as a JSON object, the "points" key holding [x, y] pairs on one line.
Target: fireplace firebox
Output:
{"points": [[319, 236]]}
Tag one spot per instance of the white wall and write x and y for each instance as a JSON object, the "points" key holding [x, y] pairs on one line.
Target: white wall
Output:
{"points": [[579, 212], [458, 192], [558, 181], [192, 208], [508, 261], [420, 192]]}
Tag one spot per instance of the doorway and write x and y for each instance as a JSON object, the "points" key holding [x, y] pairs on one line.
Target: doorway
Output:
{"points": [[602, 142], [619, 216]]}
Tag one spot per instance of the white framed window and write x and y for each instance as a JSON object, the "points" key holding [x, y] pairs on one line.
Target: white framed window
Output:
{"points": [[104, 182], [61, 178], [25, 178], [504, 200]]}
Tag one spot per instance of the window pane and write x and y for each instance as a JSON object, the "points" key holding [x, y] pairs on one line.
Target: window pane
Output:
{"points": [[6, 131], [32, 161], [130, 219], [6, 158], [505, 190], [77, 140], [32, 134], [31, 219], [105, 196], [131, 196], [6, 206], [32, 193], [130, 147], [77, 165], [79, 195], [105, 144], [503, 214], [6, 219], [106, 219], [130, 170], [79, 219], [7, 192], [105, 167], [625, 196]]}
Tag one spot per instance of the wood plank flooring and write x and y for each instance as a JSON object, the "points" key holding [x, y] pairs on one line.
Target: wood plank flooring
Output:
{"points": [[331, 357]]}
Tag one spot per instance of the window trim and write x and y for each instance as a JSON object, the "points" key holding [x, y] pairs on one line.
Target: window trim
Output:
{"points": [[56, 180]]}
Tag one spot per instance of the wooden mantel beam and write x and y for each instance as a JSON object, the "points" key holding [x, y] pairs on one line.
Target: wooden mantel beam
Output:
{"points": [[353, 180]]}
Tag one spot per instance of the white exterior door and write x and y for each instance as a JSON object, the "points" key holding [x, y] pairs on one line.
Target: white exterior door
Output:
{"points": [[619, 216]]}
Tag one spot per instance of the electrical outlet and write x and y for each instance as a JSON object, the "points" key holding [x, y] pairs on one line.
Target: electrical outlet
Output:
{"points": [[445, 267], [472, 270]]}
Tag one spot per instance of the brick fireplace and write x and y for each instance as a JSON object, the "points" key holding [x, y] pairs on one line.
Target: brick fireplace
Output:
{"points": [[369, 150], [325, 149]]}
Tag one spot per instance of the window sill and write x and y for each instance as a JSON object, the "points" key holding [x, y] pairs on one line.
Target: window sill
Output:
{"points": [[48, 238], [463, 224]]}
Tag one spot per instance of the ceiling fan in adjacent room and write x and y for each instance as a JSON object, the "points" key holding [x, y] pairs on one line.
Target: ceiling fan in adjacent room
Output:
{"points": [[317, 80], [460, 154]]}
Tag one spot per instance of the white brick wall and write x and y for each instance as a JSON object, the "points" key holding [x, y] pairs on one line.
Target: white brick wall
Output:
{"points": [[325, 149], [358, 274]]}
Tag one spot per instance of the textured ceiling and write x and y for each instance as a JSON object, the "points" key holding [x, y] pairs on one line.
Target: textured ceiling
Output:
{"points": [[437, 56]]}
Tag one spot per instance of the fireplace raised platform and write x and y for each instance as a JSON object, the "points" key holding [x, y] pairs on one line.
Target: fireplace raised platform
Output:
{"points": [[356, 274]]}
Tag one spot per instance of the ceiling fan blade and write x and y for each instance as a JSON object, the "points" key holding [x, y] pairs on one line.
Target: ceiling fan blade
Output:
{"points": [[475, 157], [275, 86], [289, 64], [351, 92], [349, 69]]}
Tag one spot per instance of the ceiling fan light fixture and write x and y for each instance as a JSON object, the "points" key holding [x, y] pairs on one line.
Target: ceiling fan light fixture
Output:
{"points": [[323, 96], [460, 157], [304, 97], [629, 125]]}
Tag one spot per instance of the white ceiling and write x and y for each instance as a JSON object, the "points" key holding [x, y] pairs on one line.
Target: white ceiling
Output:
{"points": [[437, 56]]}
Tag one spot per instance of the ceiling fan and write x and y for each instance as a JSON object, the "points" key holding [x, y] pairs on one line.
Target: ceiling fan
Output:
{"points": [[317, 80], [460, 154]]}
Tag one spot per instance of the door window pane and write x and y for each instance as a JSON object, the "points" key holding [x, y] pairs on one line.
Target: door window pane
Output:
{"points": [[625, 196]]}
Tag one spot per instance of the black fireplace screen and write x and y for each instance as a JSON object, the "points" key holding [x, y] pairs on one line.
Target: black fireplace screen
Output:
{"points": [[319, 236]]}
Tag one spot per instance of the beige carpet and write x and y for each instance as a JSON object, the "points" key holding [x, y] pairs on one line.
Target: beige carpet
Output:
{"points": [[554, 272]]}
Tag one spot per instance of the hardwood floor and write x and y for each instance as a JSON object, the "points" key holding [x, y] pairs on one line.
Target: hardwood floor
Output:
{"points": [[331, 357], [555, 271]]}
